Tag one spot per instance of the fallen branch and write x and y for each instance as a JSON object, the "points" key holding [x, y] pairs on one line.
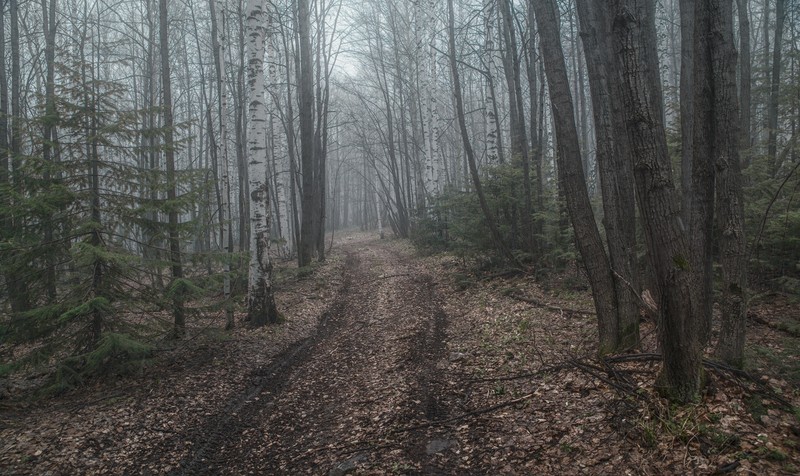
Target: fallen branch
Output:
{"points": [[538, 373], [550, 307], [480, 411], [773, 326]]}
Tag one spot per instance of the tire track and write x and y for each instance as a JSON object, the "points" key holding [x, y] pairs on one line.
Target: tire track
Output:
{"points": [[211, 439]]}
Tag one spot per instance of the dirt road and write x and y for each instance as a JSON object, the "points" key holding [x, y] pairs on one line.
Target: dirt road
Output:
{"points": [[350, 394]]}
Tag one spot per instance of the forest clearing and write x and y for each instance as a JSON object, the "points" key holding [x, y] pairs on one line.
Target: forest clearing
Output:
{"points": [[392, 363]]}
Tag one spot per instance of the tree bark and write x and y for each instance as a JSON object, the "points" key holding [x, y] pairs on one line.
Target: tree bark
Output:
{"points": [[571, 177], [261, 308], [687, 112], [665, 234], [49, 127], [730, 207], [745, 81], [704, 131], [519, 141], [19, 295], [615, 168], [306, 111], [775, 83], [219, 43], [179, 328]]}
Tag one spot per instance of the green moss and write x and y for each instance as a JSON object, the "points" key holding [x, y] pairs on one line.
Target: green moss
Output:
{"points": [[681, 262]]}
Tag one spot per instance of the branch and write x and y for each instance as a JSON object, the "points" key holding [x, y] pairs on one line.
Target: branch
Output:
{"points": [[480, 411], [550, 307]]}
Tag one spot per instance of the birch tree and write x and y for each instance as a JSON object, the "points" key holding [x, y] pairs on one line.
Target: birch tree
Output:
{"points": [[260, 299]]}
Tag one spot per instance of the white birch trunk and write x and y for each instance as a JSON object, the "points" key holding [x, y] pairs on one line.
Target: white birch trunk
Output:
{"points": [[218, 10], [432, 119], [260, 300], [492, 128]]}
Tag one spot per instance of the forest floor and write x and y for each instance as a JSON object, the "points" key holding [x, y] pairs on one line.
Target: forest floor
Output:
{"points": [[392, 363]]}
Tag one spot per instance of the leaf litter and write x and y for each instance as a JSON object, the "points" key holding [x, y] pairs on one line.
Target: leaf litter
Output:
{"points": [[389, 364]]}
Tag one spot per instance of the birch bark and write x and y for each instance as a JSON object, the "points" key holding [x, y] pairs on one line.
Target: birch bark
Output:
{"points": [[260, 300]]}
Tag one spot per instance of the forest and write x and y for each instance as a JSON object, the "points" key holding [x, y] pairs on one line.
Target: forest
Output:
{"points": [[399, 237]]}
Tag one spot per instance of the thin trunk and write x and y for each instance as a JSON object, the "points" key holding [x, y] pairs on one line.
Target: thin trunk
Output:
{"points": [[745, 81], [519, 141], [169, 154], [572, 180], [50, 121], [536, 149], [219, 43], [19, 295], [306, 106], [730, 205], [462, 125], [687, 112], [775, 83]]}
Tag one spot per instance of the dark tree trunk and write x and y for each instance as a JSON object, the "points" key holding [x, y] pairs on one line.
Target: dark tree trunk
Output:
{"points": [[571, 177], [535, 125], [703, 172], [615, 167], [19, 295], [745, 82], [730, 206], [665, 234], [775, 83], [687, 112], [169, 154], [519, 142], [50, 121], [306, 106]]}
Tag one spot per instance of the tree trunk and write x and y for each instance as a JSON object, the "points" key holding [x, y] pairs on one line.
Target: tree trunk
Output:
{"points": [[19, 295], [775, 83], [571, 177], [306, 106], [535, 125], [615, 167], [687, 112], [704, 131], [745, 81], [219, 43], [519, 141], [260, 299], [730, 206], [169, 155], [665, 234], [50, 121]]}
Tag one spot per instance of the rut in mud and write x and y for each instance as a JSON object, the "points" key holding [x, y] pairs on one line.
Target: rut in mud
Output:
{"points": [[344, 396]]}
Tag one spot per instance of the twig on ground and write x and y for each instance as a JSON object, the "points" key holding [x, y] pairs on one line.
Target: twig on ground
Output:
{"points": [[550, 307], [477, 412], [538, 373]]}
